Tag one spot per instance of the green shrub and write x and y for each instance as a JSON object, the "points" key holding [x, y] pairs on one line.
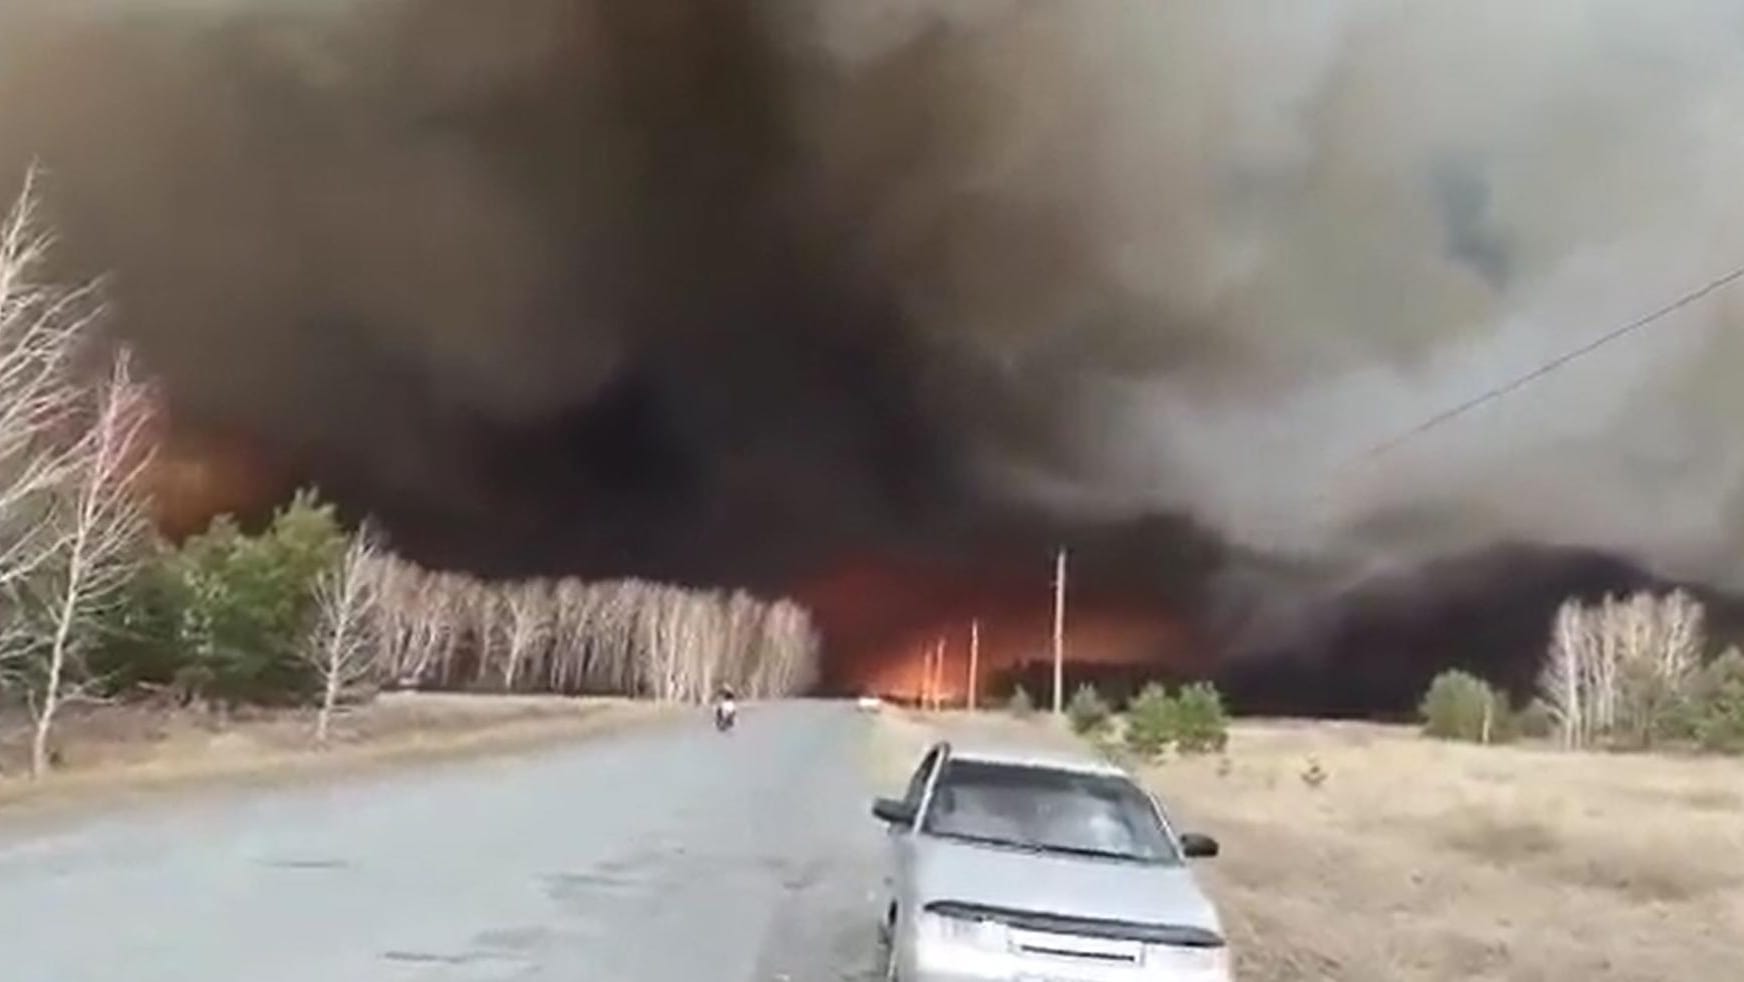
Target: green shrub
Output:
{"points": [[1088, 712], [1150, 722], [1461, 706], [1718, 704], [1537, 721], [1020, 704], [1652, 708], [1201, 725], [141, 644], [245, 601]]}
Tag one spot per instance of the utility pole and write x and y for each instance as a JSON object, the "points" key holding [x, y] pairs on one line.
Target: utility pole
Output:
{"points": [[933, 674], [930, 678], [927, 674], [939, 675], [974, 659], [1060, 633]]}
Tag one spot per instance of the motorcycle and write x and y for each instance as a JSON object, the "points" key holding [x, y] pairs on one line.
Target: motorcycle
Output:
{"points": [[726, 714]]}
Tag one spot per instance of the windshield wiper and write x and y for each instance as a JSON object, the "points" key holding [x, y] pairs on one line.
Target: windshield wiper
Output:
{"points": [[1130, 857], [1043, 847], [987, 840]]}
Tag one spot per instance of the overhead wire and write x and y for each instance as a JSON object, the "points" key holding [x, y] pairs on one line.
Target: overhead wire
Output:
{"points": [[1320, 498], [1545, 368]]}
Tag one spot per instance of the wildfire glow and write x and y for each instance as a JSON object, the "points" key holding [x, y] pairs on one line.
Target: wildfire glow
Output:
{"points": [[195, 477], [882, 622]]}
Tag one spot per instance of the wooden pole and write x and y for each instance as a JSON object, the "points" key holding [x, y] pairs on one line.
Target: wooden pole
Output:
{"points": [[1060, 633], [932, 680], [974, 660], [933, 675], [939, 675], [926, 684], [926, 677]]}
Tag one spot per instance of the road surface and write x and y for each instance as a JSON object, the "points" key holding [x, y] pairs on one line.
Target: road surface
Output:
{"points": [[670, 854]]}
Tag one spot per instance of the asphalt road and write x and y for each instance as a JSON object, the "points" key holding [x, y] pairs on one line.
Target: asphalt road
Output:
{"points": [[671, 854]]}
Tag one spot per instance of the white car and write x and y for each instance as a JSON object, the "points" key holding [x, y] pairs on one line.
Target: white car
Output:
{"points": [[1026, 867], [870, 704]]}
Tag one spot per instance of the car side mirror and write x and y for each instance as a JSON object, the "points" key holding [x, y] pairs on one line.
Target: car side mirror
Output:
{"points": [[894, 811], [1197, 846]]}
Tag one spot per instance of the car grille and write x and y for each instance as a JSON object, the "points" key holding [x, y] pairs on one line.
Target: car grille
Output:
{"points": [[1103, 950], [1064, 935]]}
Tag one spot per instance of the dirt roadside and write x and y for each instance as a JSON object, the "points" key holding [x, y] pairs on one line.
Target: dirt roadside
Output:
{"points": [[110, 754]]}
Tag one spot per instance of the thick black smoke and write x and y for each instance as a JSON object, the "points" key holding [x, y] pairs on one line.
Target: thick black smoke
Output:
{"points": [[726, 290], [538, 281]]}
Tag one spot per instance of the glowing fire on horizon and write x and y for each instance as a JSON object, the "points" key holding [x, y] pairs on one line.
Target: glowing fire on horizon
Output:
{"points": [[883, 624], [195, 477]]}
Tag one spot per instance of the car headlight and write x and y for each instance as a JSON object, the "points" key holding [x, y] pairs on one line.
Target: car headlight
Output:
{"points": [[965, 932], [1189, 962]]}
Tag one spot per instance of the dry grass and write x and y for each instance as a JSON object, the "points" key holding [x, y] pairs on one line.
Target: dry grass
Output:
{"points": [[109, 750], [1417, 861]]}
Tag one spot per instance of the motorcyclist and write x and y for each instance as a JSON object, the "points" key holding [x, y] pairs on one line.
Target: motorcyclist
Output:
{"points": [[725, 704]]}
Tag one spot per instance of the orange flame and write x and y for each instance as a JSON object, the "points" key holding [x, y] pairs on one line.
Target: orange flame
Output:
{"points": [[883, 622], [197, 475]]}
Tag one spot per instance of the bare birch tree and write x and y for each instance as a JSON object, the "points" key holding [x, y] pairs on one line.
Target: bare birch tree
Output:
{"points": [[1622, 667], [42, 329], [527, 620], [398, 604], [1601, 661], [1666, 637], [344, 647], [100, 525], [1564, 686], [625, 636], [437, 632], [574, 648]]}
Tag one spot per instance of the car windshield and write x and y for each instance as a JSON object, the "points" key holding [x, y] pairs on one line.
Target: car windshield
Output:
{"points": [[1047, 810]]}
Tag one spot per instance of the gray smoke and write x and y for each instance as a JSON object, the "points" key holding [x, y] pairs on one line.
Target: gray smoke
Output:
{"points": [[1121, 258], [1232, 246]]}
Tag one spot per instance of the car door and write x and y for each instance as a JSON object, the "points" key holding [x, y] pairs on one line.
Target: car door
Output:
{"points": [[899, 839]]}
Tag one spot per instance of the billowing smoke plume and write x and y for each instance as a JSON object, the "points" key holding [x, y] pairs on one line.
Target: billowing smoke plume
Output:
{"points": [[530, 279], [1223, 249], [717, 290]]}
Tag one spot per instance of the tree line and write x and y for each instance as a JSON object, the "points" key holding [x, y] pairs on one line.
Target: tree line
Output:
{"points": [[1626, 672], [452, 631], [95, 606]]}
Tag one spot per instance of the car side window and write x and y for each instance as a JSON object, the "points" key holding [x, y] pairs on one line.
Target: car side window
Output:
{"points": [[917, 783]]}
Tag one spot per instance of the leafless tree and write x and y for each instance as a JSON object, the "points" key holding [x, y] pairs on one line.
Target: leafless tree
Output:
{"points": [[437, 633], [573, 648], [791, 654], [43, 327], [487, 618], [527, 615], [398, 603], [100, 526], [741, 622], [625, 636], [344, 645], [1620, 667], [416, 611], [621, 656], [1564, 686], [1665, 638]]}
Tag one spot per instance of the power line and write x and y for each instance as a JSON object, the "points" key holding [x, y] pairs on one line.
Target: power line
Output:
{"points": [[1546, 368]]}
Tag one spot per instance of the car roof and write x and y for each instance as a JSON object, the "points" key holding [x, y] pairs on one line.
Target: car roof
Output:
{"points": [[1047, 758]]}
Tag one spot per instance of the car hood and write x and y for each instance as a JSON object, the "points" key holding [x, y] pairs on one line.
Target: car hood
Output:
{"points": [[1067, 886]]}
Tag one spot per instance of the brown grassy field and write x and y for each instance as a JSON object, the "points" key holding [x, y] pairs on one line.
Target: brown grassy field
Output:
{"points": [[108, 750], [1418, 861]]}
